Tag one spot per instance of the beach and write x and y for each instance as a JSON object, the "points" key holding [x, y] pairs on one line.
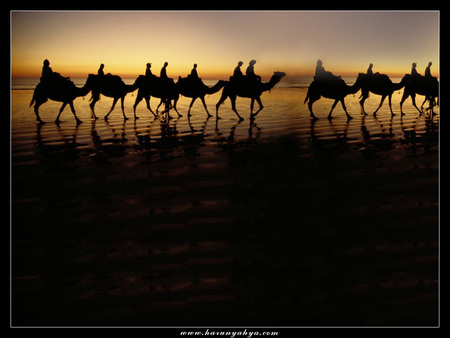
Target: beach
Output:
{"points": [[277, 221]]}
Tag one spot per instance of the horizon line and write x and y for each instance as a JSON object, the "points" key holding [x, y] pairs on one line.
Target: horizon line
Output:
{"points": [[207, 76]]}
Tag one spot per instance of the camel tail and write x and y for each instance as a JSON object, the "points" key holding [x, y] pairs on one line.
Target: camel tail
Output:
{"points": [[32, 101]]}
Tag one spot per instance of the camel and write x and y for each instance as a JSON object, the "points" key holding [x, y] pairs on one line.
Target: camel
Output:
{"points": [[161, 88], [379, 84], [195, 88], [422, 85], [60, 90], [110, 86], [335, 89], [245, 87]]}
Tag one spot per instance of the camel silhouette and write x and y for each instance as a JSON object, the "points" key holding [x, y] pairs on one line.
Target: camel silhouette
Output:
{"points": [[60, 90], [335, 89], [422, 85], [110, 86], [379, 84], [245, 87], [161, 88], [195, 88]]}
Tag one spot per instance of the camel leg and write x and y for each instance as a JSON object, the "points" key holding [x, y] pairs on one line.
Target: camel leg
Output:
{"points": [[233, 107], [72, 108], [174, 106], [167, 107], [36, 110], [60, 111], [136, 102], [252, 103], [221, 100], [421, 107], [190, 106], [332, 108], [122, 99], [310, 104], [404, 97], [159, 105], [258, 99], [381, 103], [390, 105], [413, 99], [361, 102], [147, 101], [204, 105], [92, 105], [432, 104], [112, 108], [345, 109]]}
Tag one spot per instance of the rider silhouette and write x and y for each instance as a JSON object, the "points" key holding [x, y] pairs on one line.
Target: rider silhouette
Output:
{"points": [[194, 73], [320, 70], [325, 76], [47, 71], [49, 75], [237, 73], [428, 70], [148, 71], [250, 72], [414, 70], [163, 73], [100, 70]]}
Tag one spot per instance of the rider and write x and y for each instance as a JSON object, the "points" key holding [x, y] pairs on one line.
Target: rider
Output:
{"points": [[148, 71], [47, 71], [250, 72], [320, 70], [414, 70], [428, 70], [194, 73], [49, 74], [163, 73], [100, 70], [237, 73]]}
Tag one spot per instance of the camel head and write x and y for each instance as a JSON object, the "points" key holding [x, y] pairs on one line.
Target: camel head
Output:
{"points": [[279, 74], [276, 77]]}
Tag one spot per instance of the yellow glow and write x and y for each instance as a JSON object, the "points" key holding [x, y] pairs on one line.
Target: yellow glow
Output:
{"points": [[77, 42]]}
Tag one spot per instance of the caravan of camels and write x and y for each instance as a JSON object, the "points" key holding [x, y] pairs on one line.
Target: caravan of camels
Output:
{"points": [[325, 84]]}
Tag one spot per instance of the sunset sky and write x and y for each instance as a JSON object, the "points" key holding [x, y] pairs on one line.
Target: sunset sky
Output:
{"points": [[290, 41]]}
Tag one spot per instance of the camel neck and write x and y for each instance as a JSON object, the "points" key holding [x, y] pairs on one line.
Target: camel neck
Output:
{"points": [[269, 85]]}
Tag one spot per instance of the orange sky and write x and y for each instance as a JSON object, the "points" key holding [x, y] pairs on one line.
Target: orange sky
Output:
{"points": [[290, 41]]}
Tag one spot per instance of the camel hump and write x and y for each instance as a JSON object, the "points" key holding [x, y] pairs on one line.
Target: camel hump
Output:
{"points": [[330, 79], [381, 76], [56, 80], [114, 78]]}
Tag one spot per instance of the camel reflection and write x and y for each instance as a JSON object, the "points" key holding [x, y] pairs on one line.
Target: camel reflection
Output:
{"points": [[155, 140]]}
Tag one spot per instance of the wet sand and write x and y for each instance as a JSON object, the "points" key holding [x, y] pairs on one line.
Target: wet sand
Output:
{"points": [[283, 221]]}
